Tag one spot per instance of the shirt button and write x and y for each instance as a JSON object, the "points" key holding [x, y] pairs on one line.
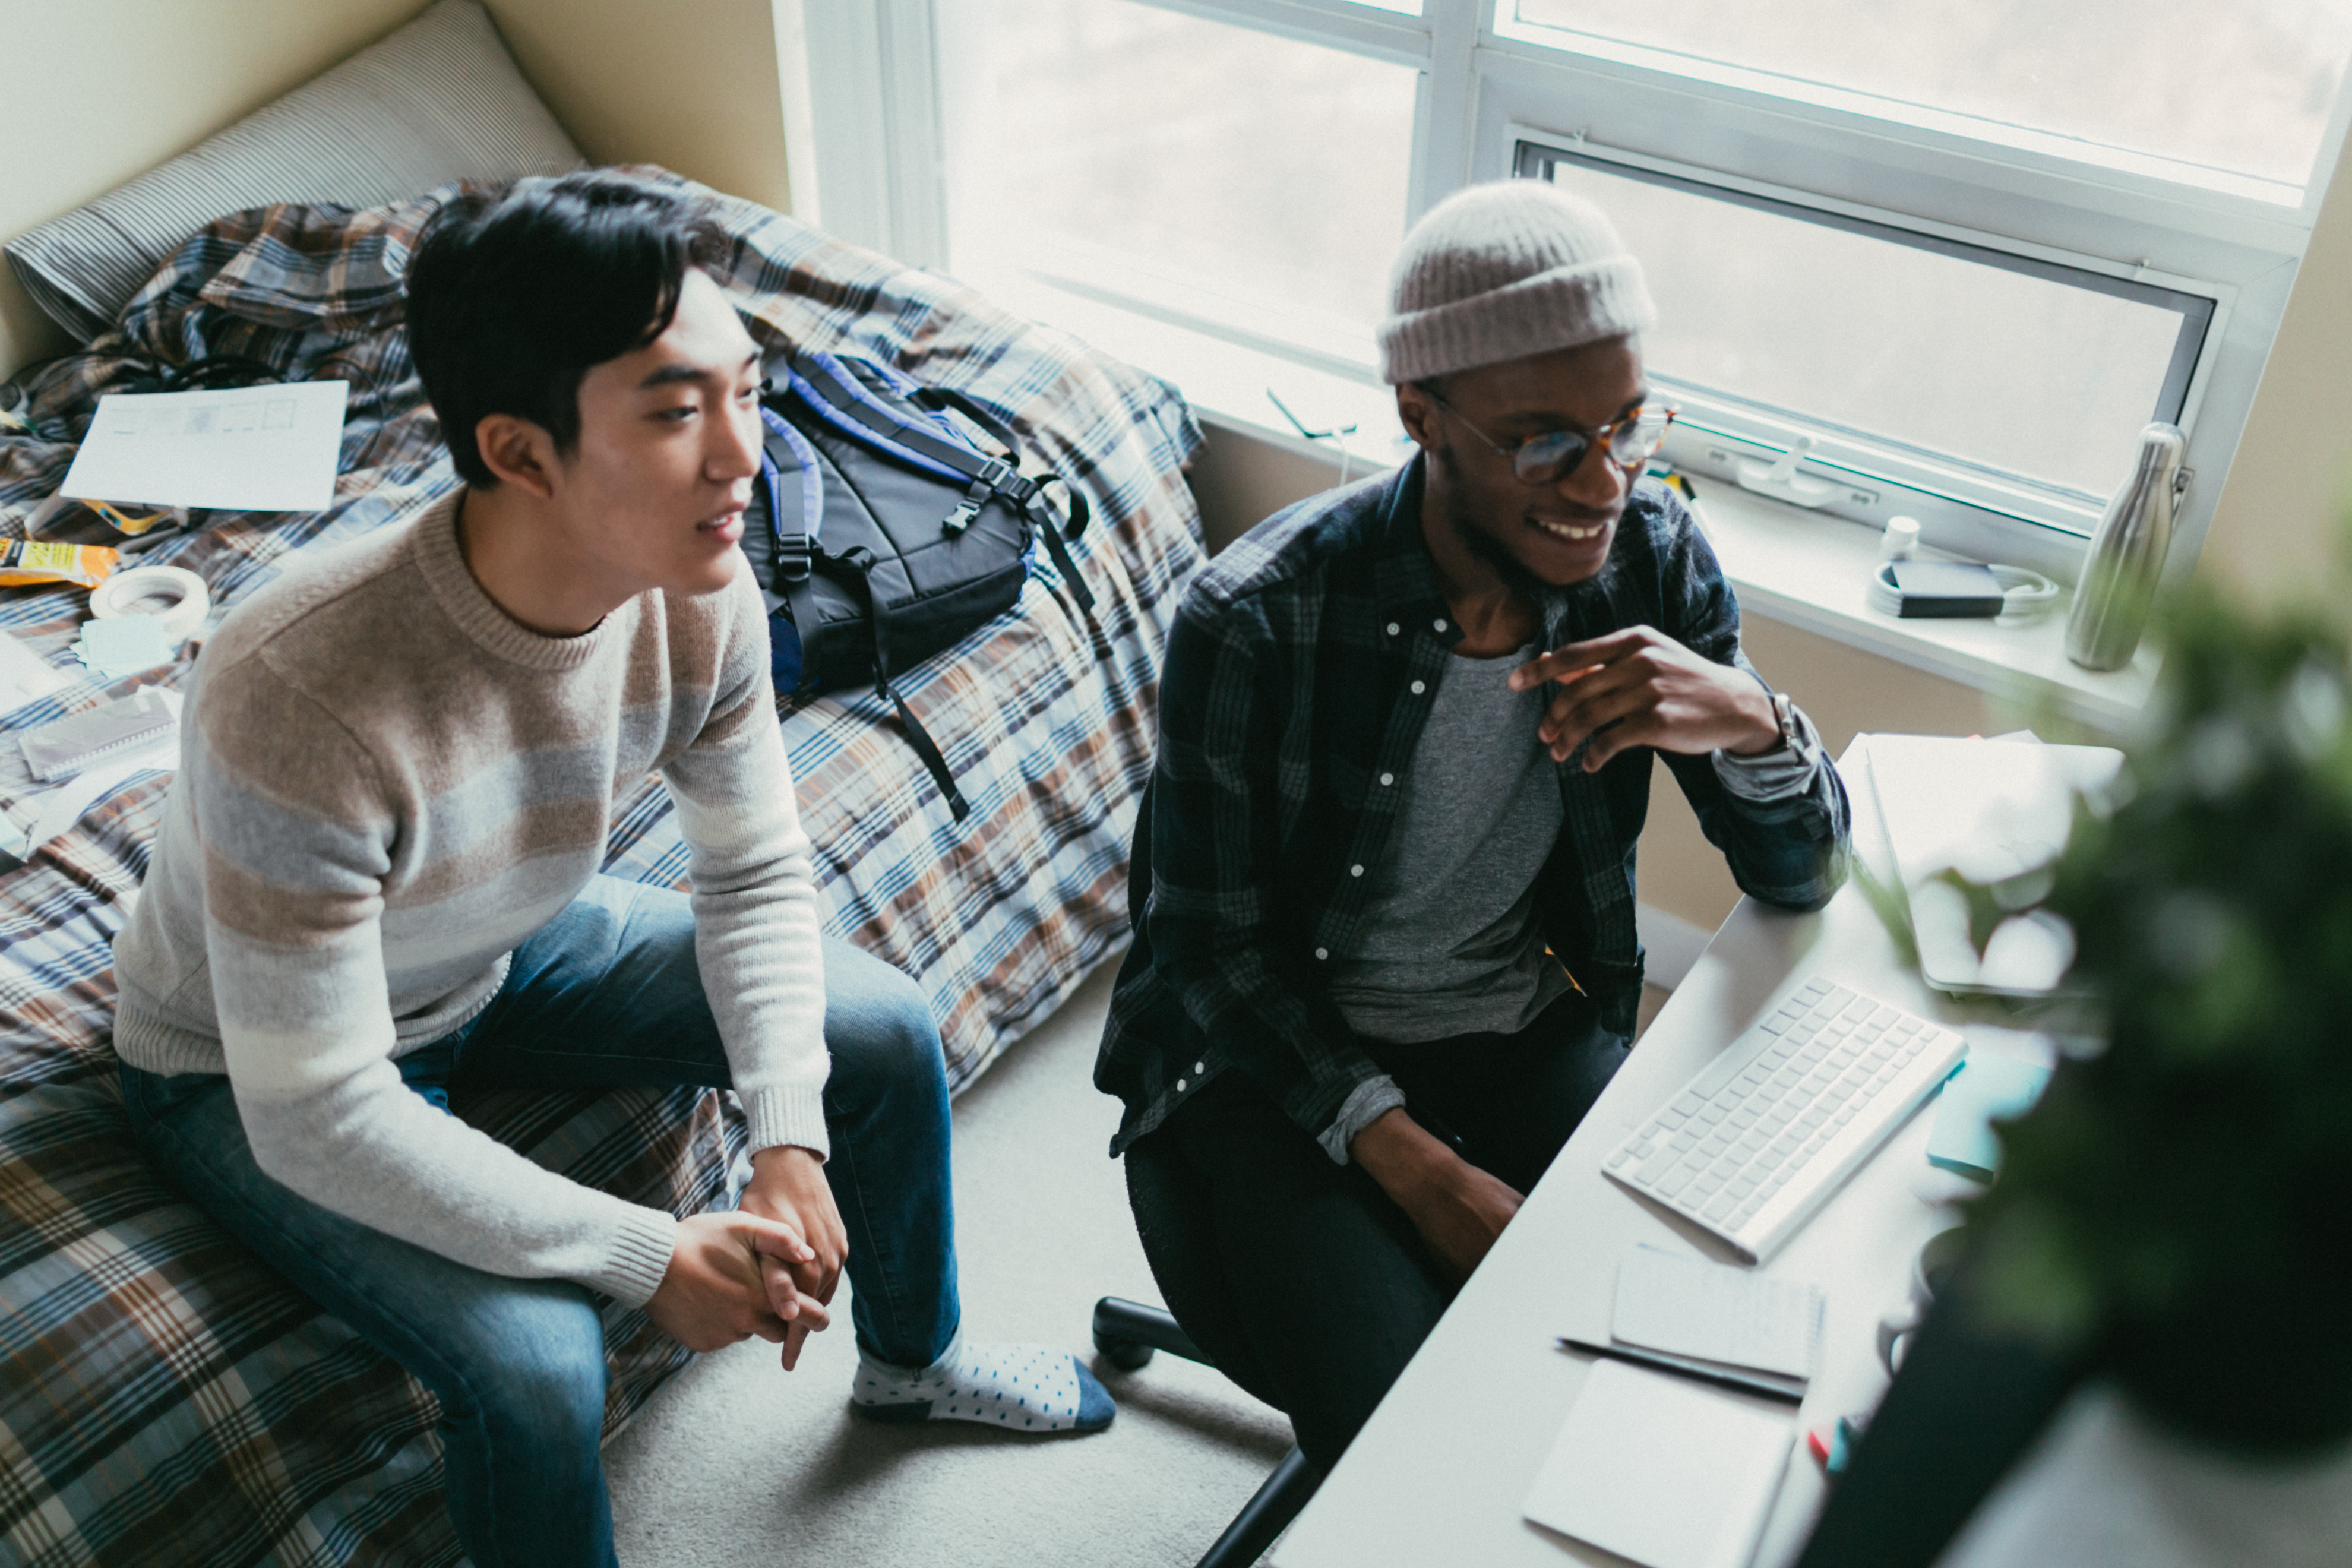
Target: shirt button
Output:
{"points": [[1419, 686], [1355, 871], [1322, 953], [1200, 1066], [1394, 628], [1439, 623], [1388, 778], [1180, 1086]]}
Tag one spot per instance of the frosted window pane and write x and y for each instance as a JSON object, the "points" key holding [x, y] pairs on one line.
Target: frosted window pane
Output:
{"points": [[1260, 166], [2241, 85], [2019, 373]]}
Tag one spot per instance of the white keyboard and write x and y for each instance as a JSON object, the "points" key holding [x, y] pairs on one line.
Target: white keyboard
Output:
{"points": [[1768, 1130]]}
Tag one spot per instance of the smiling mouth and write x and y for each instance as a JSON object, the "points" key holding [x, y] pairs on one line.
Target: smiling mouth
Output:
{"points": [[726, 523], [1570, 532]]}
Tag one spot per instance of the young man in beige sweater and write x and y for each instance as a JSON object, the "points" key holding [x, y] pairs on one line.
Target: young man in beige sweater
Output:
{"points": [[378, 876]]}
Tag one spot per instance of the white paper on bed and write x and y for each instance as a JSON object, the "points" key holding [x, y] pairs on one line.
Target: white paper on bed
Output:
{"points": [[1666, 1472], [249, 448], [1989, 810]]}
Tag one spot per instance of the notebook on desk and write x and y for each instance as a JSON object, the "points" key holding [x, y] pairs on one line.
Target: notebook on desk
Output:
{"points": [[1989, 810], [1667, 1472]]}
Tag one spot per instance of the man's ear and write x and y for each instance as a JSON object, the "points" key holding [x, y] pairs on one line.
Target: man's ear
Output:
{"points": [[1419, 416], [517, 452]]}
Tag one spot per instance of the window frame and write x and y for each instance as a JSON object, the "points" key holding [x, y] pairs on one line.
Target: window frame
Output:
{"points": [[871, 71]]}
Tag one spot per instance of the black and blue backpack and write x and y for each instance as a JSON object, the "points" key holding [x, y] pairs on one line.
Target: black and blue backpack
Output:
{"points": [[881, 533]]}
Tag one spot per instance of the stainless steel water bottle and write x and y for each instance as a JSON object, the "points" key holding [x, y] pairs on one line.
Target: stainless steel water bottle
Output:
{"points": [[2126, 556]]}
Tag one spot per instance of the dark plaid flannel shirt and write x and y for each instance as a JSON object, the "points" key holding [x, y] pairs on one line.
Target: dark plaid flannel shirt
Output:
{"points": [[1300, 673]]}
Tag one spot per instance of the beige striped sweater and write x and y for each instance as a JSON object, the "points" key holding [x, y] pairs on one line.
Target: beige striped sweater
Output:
{"points": [[385, 784]]}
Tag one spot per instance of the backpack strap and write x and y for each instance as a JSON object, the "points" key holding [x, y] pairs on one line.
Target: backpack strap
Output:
{"points": [[795, 488], [851, 569]]}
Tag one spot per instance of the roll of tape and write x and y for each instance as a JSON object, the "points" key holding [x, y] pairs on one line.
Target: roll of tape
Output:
{"points": [[173, 592]]}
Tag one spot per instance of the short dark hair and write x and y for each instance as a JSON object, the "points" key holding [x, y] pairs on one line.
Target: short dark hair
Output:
{"points": [[517, 291]]}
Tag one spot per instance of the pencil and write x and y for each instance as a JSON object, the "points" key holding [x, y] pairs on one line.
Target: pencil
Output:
{"points": [[1737, 1381]]}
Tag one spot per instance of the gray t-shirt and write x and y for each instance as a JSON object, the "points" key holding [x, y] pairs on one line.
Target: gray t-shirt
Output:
{"points": [[1450, 945]]}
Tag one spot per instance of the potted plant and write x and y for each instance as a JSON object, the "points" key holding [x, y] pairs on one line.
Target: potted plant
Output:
{"points": [[2176, 1211]]}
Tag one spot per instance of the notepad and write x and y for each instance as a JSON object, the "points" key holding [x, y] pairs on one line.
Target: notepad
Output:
{"points": [[1670, 1473], [1713, 1315], [125, 644], [1987, 1089]]}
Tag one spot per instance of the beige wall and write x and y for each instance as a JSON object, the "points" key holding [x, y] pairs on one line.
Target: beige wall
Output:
{"points": [[691, 85], [2280, 517], [100, 90]]}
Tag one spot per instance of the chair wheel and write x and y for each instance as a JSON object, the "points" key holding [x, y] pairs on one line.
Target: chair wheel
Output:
{"points": [[1128, 1356]]}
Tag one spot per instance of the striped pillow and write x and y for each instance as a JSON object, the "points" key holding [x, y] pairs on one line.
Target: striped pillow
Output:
{"points": [[438, 100]]}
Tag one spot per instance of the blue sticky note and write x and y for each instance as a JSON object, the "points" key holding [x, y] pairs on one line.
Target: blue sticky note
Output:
{"points": [[124, 645], [1987, 1087]]}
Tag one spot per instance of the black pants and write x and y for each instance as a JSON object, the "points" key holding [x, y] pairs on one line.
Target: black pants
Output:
{"points": [[1328, 1281]]}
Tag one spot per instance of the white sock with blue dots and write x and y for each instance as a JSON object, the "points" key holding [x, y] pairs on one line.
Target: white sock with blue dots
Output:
{"points": [[1026, 1388]]}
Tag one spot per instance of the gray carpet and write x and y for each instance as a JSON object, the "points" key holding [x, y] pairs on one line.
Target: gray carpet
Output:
{"points": [[735, 1464]]}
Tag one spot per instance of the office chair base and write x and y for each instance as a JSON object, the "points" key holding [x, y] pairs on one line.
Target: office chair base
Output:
{"points": [[1128, 1332], [1266, 1515]]}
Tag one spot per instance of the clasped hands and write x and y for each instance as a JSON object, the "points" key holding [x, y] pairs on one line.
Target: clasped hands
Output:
{"points": [[1640, 687], [769, 1269]]}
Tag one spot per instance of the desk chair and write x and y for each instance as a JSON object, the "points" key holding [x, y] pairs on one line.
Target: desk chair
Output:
{"points": [[1172, 1216]]}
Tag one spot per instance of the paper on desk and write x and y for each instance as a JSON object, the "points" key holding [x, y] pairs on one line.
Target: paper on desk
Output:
{"points": [[248, 448], [1670, 1473], [1715, 1312]]}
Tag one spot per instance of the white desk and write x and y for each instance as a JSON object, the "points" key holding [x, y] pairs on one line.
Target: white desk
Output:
{"points": [[1438, 1474]]}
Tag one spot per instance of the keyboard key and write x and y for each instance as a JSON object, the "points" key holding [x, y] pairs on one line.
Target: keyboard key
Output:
{"points": [[1720, 1209], [1620, 1160], [1838, 996], [1676, 1180], [1775, 1024]]}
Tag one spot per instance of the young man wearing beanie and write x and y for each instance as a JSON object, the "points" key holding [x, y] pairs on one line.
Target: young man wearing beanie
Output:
{"points": [[377, 883], [1385, 955]]}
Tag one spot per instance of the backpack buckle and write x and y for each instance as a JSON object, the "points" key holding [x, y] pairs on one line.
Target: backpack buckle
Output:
{"points": [[1009, 481], [794, 553], [968, 508]]}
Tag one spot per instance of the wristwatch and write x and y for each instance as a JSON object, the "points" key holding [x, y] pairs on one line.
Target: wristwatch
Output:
{"points": [[1784, 714]]}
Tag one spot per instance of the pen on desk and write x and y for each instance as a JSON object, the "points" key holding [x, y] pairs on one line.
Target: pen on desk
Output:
{"points": [[1730, 1380]]}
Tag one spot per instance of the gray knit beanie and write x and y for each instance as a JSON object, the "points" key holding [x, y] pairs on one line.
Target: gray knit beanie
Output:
{"points": [[1502, 270]]}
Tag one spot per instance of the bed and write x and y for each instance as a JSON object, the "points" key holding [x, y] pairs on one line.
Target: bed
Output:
{"points": [[164, 1397]]}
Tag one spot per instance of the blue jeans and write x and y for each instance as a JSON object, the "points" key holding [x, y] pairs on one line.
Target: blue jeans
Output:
{"points": [[606, 995]]}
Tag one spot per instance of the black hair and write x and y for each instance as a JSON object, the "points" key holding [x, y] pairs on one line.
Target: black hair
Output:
{"points": [[517, 291]]}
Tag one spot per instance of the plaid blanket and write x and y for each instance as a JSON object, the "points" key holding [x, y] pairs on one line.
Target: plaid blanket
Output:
{"points": [[164, 1398]]}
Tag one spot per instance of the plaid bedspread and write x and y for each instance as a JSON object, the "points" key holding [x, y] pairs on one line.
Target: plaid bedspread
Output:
{"points": [[163, 1398]]}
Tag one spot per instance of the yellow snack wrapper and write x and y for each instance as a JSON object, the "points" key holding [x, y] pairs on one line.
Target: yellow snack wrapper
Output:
{"points": [[26, 561]]}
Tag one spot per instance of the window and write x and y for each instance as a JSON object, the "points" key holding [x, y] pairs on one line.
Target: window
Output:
{"points": [[1957, 256]]}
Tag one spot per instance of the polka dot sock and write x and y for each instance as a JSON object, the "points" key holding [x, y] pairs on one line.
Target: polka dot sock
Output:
{"points": [[1026, 1388]]}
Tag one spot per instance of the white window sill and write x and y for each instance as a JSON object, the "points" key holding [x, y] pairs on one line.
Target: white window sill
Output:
{"points": [[1797, 567], [1813, 572]]}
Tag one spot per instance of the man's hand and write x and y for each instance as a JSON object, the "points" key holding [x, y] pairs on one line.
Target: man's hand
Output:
{"points": [[788, 1185], [1640, 687], [1458, 1208], [713, 1294]]}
